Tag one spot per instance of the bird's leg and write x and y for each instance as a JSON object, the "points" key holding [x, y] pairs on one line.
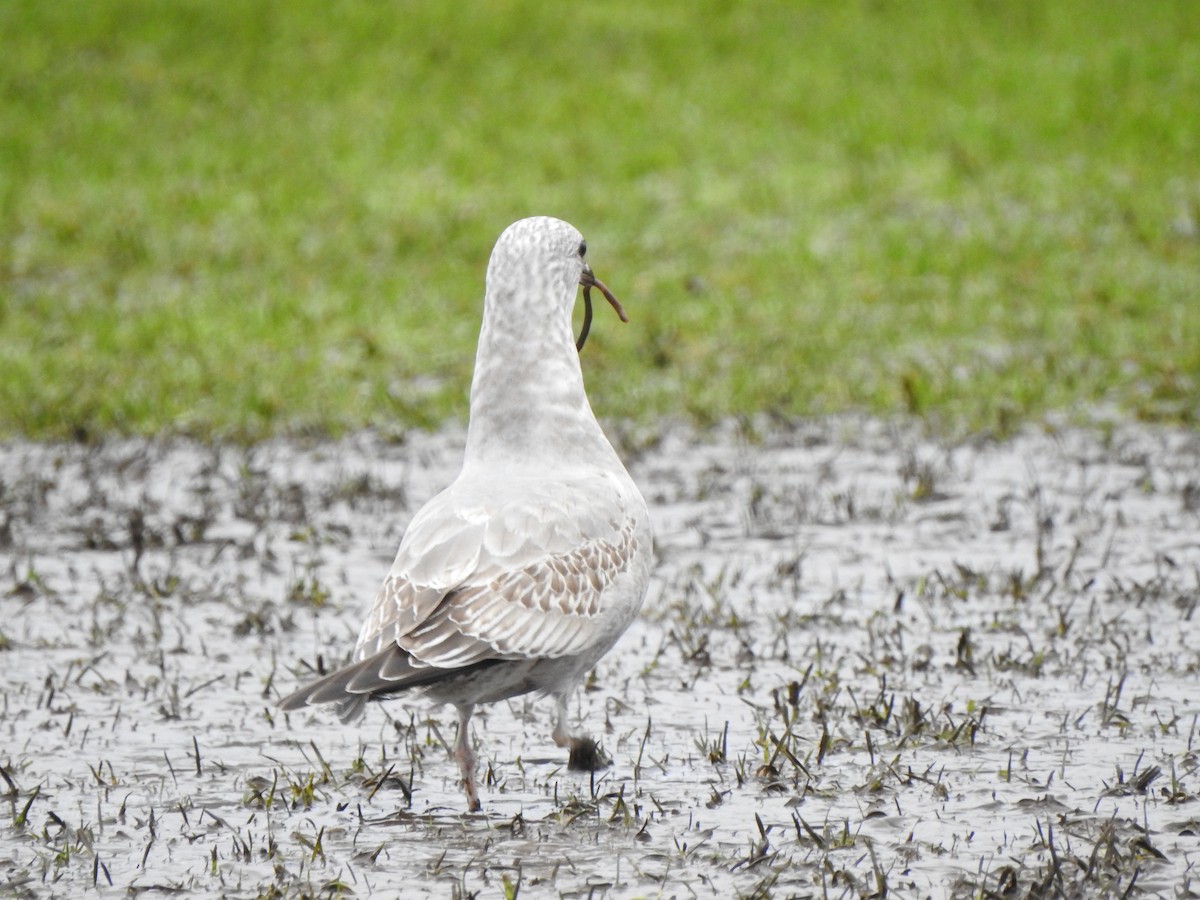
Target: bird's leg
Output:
{"points": [[465, 758], [585, 754]]}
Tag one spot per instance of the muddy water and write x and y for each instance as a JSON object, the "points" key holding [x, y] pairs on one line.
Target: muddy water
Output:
{"points": [[868, 661]]}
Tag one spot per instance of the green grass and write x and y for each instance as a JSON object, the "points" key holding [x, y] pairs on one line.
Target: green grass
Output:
{"points": [[238, 219]]}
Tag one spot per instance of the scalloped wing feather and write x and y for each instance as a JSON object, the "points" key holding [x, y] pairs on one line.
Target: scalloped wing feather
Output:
{"points": [[521, 576], [545, 609]]}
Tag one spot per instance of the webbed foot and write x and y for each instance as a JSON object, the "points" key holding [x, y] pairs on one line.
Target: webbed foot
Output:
{"points": [[586, 756]]}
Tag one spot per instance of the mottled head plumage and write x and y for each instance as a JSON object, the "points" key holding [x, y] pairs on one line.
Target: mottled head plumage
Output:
{"points": [[537, 265], [537, 260]]}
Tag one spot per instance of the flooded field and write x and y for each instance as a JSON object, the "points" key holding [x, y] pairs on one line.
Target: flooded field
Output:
{"points": [[869, 663]]}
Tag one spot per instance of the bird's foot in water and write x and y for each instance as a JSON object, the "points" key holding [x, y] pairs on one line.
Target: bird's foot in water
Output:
{"points": [[586, 756]]}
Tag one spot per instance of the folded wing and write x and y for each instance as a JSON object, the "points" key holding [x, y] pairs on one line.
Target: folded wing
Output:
{"points": [[473, 585]]}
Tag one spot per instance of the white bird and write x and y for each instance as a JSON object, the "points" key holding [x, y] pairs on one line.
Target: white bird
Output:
{"points": [[523, 572]]}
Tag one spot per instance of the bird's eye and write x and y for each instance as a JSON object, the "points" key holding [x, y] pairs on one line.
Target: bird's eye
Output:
{"points": [[582, 249]]}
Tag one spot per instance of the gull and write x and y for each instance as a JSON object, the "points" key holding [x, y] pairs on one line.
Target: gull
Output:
{"points": [[525, 571]]}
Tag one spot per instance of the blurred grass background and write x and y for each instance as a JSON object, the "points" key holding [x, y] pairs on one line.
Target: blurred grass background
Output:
{"points": [[238, 219]]}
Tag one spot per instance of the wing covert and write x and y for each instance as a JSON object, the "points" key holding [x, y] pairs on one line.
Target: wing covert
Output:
{"points": [[523, 579]]}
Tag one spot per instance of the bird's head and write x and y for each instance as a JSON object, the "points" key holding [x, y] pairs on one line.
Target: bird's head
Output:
{"points": [[550, 253]]}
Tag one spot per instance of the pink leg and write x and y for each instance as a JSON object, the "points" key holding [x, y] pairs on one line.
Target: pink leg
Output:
{"points": [[466, 758]]}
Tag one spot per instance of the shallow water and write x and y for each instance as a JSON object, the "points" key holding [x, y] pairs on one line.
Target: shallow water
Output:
{"points": [[868, 661]]}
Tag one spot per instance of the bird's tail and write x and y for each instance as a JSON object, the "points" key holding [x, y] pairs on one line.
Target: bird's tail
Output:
{"points": [[390, 671]]}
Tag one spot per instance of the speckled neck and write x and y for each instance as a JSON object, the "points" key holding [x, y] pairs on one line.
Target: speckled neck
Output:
{"points": [[528, 404]]}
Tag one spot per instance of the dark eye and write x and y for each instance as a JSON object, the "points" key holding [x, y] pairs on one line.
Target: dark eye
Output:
{"points": [[582, 249]]}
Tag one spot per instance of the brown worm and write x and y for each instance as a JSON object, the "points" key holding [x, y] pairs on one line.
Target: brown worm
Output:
{"points": [[589, 281]]}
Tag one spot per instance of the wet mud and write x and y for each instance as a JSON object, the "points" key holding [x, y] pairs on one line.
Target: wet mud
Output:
{"points": [[869, 662]]}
